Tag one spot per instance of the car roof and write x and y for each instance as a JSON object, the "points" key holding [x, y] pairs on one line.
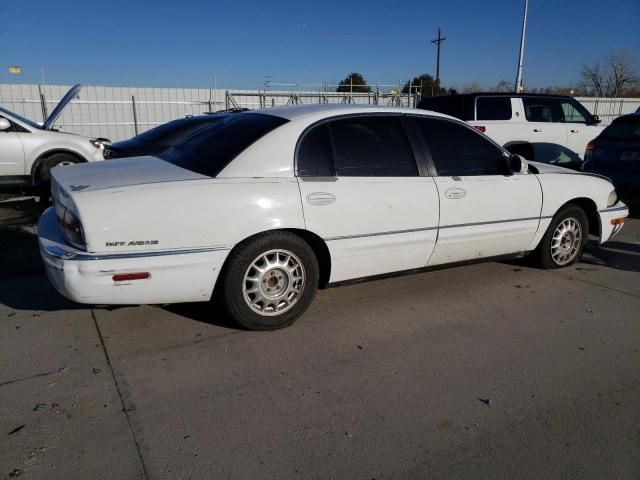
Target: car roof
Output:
{"points": [[496, 94], [295, 112]]}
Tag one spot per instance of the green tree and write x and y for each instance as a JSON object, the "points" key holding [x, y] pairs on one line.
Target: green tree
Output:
{"points": [[356, 81], [425, 85]]}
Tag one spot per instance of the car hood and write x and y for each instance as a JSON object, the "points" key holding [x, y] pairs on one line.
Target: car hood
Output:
{"points": [[119, 173], [70, 95], [547, 168]]}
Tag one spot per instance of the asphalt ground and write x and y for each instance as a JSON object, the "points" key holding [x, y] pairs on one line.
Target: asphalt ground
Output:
{"points": [[492, 370]]}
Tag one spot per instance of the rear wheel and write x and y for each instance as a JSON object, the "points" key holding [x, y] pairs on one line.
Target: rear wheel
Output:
{"points": [[564, 241], [270, 281]]}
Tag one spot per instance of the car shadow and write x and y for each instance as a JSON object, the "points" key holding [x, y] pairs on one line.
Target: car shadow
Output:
{"points": [[205, 312], [614, 254]]}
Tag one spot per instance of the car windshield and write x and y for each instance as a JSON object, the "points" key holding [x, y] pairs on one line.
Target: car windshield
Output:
{"points": [[624, 128], [20, 118], [212, 148], [171, 132]]}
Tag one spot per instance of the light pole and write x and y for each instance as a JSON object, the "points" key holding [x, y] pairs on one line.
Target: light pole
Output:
{"points": [[519, 87]]}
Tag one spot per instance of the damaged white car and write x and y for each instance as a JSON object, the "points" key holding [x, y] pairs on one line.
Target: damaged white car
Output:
{"points": [[262, 208]]}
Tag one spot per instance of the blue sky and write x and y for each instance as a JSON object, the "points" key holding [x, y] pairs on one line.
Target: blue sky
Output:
{"points": [[175, 44]]}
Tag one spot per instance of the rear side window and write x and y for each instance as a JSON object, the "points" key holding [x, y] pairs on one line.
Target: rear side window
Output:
{"points": [[212, 148], [314, 153], [177, 130], [493, 108], [372, 146], [458, 150], [623, 128], [543, 109]]}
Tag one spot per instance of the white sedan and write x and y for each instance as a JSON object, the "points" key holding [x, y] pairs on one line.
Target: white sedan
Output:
{"points": [[262, 208]]}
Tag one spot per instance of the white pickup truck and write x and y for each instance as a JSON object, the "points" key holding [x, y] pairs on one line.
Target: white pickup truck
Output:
{"points": [[546, 128]]}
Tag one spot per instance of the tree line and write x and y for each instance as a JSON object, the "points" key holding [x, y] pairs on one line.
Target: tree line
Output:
{"points": [[616, 75]]}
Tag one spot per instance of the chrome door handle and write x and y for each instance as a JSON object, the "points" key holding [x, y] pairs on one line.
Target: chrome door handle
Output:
{"points": [[455, 193], [537, 129], [321, 198]]}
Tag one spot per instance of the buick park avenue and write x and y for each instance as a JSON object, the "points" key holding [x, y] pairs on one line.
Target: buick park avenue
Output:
{"points": [[262, 208]]}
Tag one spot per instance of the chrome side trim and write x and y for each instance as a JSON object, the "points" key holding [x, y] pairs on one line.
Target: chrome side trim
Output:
{"points": [[495, 221], [377, 234], [63, 254], [614, 209], [411, 230]]}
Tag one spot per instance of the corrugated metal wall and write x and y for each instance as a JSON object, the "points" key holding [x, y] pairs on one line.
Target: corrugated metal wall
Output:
{"points": [[109, 111]]}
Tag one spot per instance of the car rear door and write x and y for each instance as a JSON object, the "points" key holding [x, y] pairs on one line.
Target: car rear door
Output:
{"points": [[484, 210], [547, 131], [363, 192]]}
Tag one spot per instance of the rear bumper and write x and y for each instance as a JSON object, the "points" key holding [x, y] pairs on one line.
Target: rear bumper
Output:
{"points": [[612, 214], [174, 276]]}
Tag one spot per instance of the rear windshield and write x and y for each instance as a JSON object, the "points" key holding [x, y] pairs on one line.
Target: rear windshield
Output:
{"points": [[211, 149], [176, 130], [625, 128], [459, 106]]}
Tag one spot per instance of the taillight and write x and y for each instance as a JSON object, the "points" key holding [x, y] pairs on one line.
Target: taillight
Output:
{"points": [[480, 128], [589, 150], [70, 225]]}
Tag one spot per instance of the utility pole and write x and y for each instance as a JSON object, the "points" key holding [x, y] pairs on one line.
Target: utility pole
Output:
{"points": [[519, 87], [438, 41]]}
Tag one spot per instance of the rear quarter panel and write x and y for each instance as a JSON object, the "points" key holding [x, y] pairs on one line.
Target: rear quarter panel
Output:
{"points": [[188, 214]]}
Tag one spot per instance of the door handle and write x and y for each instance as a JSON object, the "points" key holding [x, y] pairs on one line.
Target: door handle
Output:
{"points": [[537, 130], [321, 198], [455, 193], [574, 131]]}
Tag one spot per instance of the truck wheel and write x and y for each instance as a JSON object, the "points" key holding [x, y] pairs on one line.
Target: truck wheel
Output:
{"points": [[270, 281]]}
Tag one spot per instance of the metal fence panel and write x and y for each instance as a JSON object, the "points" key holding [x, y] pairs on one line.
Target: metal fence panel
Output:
{"points": [[108, 112]]}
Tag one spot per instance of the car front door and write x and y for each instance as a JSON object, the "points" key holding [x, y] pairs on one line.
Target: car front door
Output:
{"points": [[11, 152], [362, 192], [547, 131], [579, 131], [484, 210]]}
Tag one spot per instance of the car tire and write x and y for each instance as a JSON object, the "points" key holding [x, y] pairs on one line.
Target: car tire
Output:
{"points": [[270, 281], [43, 175], [565, 239]]}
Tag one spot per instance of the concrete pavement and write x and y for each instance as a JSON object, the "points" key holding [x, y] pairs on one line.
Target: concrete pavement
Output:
{"points": [[494, 370]]}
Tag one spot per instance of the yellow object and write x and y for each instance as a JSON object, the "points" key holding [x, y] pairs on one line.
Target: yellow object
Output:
{"points": [[14, 69]]}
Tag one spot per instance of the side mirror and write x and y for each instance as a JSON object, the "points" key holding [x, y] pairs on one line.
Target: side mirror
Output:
{"points": [[595, 120], [4, 124], [517, 164]]}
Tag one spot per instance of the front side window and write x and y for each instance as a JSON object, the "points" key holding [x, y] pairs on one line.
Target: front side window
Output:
{"points": [[547, 110], [211, 149], [372, 146], [457, 150], [573, 112], [493, 108]]}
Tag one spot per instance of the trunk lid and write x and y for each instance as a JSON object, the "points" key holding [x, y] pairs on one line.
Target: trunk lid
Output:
{"points": [[118, 173]]}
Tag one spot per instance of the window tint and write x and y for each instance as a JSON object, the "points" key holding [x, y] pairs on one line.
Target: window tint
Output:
{"points": [[314, 153], [542, 109], [372, 146], [460, 151], [171, 132], [493, 108], [573, 112], [623, 128], [459, 106], [211, 149]]}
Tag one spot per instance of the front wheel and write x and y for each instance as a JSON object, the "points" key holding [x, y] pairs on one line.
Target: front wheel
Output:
{"points": [[565, 239], [270, 281]]}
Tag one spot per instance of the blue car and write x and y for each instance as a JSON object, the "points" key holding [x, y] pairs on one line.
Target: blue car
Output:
{"points": [[615, 153]]}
